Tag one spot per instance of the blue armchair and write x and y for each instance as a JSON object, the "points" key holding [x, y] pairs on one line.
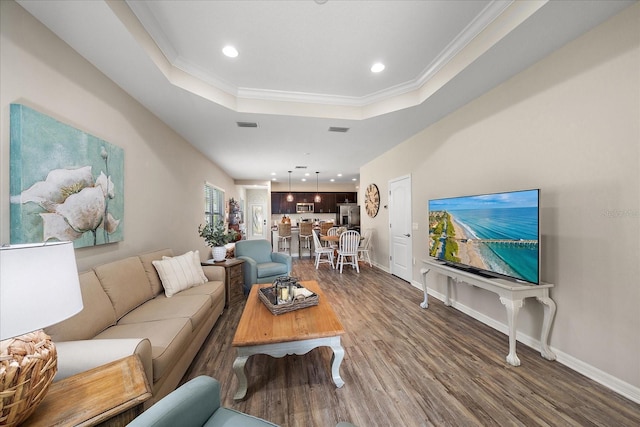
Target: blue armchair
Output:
{"points": [[195, 404], [261, 264]]}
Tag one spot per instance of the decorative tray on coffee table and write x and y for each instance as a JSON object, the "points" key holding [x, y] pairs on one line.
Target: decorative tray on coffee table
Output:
{"points": [[270, 299]]}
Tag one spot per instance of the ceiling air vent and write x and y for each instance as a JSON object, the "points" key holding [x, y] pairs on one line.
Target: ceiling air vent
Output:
{"points": [[338, 129], [247, 124], [301, 167]]}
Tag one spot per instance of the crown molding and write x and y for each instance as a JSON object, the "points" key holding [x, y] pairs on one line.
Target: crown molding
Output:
{"points": [[495, 21]]}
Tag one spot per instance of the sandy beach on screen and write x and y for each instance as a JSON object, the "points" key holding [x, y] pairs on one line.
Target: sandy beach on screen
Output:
{"points": [[467, 252]]}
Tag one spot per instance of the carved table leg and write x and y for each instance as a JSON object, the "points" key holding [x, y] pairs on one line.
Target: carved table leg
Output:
{"points": [[447, 301], [238, 367], [336, 360], [425, 303], [512, 306], [549, 313]]}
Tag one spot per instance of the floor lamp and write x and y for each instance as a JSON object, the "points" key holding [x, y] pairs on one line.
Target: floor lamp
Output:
{"points": [[39, 287]]}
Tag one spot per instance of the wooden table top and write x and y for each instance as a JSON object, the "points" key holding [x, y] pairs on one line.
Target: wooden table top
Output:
{"points": [[93, 396], [258, 326]]}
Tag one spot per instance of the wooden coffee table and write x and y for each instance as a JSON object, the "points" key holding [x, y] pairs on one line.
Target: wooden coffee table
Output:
{"points": [[295, 332]]}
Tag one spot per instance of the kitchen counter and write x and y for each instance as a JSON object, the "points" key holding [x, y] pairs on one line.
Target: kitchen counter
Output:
{"points": [[295, 243]]}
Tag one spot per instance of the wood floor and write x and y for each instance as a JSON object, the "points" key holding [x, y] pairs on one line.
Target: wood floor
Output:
{"points": [[405, 366]]}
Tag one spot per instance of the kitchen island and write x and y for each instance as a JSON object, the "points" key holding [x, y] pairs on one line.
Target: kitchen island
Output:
{"points": [[294, 241]]}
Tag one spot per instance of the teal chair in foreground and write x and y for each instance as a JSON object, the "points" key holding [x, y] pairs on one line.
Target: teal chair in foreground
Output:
{"points": [[261, 265], [196, 403]]}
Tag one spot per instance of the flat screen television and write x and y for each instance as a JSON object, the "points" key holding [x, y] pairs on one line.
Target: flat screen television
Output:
{"points": [[492, 235]]}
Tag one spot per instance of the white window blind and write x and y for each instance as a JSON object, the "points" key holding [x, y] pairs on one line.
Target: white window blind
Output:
{"points": [[213, 204]]}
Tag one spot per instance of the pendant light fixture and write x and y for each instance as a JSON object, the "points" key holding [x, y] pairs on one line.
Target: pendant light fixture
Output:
{"points": [[289, 196], [317, 199]]}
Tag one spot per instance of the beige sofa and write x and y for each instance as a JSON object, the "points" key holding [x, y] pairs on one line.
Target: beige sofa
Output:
{"points": [[127, 312]]}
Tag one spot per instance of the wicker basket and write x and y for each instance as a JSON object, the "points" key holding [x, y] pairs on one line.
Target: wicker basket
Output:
{"points": [[267, 295], [27, 366]]}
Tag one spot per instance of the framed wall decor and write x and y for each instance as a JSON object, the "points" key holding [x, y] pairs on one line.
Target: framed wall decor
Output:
{"points": [[64, 183]]}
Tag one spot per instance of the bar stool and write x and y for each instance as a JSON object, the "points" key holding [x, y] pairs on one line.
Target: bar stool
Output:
{"points": [[324, 226], [284, 237], [304, 238]]}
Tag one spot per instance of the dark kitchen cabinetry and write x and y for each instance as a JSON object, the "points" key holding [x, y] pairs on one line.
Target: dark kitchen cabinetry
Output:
{"points": [[328, 203], [346, 197], [279, 204]]}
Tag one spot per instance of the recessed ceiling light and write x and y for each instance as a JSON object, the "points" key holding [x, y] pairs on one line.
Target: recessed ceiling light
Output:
{"points": [[354, 179], [273, 174], [274, 179], [332, 180], [230, 51], [339, 174], [303, 179], [377, 67]]}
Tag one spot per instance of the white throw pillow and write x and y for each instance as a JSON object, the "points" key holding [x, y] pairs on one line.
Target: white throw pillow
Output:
{"points": [[180, 272]]}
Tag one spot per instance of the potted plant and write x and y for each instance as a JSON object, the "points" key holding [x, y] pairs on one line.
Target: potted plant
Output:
{"points": [[216, 236]]}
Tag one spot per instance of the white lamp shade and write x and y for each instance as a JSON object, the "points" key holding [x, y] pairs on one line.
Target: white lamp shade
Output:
{"points": [[39, 287]]}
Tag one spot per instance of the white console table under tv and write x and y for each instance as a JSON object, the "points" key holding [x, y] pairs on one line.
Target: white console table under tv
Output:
{"points": [[512, 295]]}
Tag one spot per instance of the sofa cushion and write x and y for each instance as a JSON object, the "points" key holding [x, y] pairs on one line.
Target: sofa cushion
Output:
{"points": [[169, 337], [152, 273], [180, 272], [193, 307], [272, 269], [215, 290], [97, 313], [126, 283]]}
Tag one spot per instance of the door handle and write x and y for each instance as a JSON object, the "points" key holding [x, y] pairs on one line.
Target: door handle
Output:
{"points": [[407, 235]]}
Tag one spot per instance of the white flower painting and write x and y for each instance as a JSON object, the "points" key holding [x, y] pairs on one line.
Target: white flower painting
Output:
{"points": [[65, 184]]}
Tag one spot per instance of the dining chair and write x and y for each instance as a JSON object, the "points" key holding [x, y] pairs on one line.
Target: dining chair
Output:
{"points": [[365, 245], [284, 237], [304, 238], [348, 250], [322, 250], [333, 231]]}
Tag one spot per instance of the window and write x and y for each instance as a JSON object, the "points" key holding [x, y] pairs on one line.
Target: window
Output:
{"points": [[213, 204]]}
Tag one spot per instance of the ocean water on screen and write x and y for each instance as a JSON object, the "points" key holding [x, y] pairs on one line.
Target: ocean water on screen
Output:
{"points": [[509, 224]]}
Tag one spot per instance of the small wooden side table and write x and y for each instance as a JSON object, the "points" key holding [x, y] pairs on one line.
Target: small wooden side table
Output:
{"points": [[109, 395], [233, 278]]}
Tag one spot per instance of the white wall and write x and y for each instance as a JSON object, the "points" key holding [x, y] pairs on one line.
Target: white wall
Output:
{"points": [[568, 125], [164, 175]]}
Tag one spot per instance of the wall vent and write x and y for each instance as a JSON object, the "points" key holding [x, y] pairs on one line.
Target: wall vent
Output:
{"points": [[338, 129], [247, 124]]}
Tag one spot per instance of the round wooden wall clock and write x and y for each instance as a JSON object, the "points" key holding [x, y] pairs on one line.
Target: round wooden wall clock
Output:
{"points": [[372, 200]]}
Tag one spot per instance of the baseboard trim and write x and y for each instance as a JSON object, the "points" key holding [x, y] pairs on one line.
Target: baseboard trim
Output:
{"points": [[615, 384]]}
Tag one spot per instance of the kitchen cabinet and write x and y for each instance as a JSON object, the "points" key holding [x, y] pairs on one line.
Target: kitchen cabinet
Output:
{"points": [[328, 203], [279, 204], [346, 197], [330, 200]]}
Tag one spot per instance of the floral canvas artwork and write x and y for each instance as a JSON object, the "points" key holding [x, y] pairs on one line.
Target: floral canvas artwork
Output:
{"points": [[65, 184]]}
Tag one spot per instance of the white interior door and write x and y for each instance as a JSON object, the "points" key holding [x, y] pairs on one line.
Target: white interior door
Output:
{"points": [[401, 250]]}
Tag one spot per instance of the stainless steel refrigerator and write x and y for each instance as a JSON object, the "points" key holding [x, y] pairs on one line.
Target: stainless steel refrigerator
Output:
{"points": [[348, 215]]}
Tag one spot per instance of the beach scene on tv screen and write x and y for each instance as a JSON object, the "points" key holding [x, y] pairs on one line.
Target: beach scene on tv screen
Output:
{"points": [[493, 232]]}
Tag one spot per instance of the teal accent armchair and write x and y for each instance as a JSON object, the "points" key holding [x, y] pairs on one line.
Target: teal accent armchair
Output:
{"points": [[261, 264], [195, 404]]}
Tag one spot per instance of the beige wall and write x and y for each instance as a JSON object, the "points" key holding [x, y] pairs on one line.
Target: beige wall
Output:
{"points": [[164, 175], [568, 125]]}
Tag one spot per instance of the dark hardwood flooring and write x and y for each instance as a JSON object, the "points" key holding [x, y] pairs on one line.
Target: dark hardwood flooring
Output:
{"points": [[405, 366]]}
